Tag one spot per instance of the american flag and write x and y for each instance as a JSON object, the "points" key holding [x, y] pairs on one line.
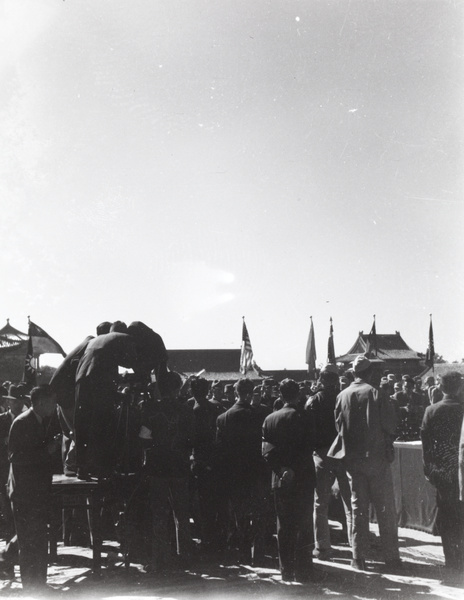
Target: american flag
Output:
{"points": [[246, 356]]}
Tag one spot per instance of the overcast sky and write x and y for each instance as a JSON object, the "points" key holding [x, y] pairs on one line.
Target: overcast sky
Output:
{"points": [[186, 163]]}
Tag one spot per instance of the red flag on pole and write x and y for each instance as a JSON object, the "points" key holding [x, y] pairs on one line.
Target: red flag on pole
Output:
{"points": [[330, 346], [311, 349], [430, 354]]}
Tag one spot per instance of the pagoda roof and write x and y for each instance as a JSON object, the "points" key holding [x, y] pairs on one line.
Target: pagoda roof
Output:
{"points": [[8, 331], [390, 346]]}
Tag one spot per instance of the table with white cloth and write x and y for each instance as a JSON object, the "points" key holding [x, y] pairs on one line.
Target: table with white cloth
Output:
{"points": [[415, 497]]}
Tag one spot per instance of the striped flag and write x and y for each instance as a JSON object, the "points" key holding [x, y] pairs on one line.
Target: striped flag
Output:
{"points": [[330, 346], [246, 356], [311, 349], [430, 354]]}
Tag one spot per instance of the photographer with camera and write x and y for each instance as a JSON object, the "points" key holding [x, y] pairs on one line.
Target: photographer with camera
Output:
{"points": [[95, 417]]}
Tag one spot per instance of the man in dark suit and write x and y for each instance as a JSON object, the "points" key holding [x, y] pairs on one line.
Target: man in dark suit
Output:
{"points": [[167, 436], [208, 486], [29, 485], [96, 397], [141, 349], [287, 447], [238, 439], [63, 383], [440, 433], [15, 403], [15, 400], [151, 354]]}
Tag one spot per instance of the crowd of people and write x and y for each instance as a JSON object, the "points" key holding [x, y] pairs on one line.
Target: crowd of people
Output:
{"points": [[228, 468]]}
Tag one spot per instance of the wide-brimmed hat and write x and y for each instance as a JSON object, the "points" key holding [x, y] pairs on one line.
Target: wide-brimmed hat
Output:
{"points": [[15, 392], [360, 364], [330, 368]]}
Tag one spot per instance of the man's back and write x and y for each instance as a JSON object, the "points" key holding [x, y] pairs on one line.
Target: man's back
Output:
{"points": [[287, 440], [239, 437], [321, 407], [104, 354], [440, 433], [64, 378], [363, 419]]}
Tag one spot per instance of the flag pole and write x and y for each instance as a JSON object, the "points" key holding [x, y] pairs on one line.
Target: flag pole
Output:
{"points": [[375, 344], [34, 360], [433, 357]]}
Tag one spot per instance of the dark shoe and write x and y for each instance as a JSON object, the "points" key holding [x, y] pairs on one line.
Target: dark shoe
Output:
{"points": [[7, 571], [83, 475], [393, 565], [311, 576], [453, 577], [288, 576], [359, 564]]}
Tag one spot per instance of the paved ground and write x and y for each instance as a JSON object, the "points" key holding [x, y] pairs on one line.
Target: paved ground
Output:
{"points": [[422, 578]]}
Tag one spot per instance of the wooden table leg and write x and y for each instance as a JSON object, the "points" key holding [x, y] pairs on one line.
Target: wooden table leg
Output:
{"points": [[96, 532], [53, 527]]}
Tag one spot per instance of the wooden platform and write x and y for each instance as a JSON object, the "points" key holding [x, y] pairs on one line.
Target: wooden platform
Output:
{"points": [[69, 493]]}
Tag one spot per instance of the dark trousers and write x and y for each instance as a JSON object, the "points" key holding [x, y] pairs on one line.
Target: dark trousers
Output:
{"points": [[95, 427], [450, 521], [211, 510], [169, 500], [247, 519], [8, 528], [295, 535], [31, 518]]}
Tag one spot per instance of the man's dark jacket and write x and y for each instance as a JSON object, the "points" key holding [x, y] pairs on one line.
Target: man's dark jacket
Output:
{"points": [[238, 442], [63, 381], [440, 434], [287, 444], [31, 472]]}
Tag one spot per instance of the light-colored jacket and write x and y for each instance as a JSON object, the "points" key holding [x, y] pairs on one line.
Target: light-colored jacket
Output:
{"points": [[366, 423]]}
